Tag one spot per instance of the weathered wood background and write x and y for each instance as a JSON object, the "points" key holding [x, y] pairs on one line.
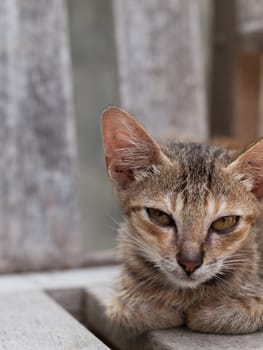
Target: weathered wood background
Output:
{"points": [[237, 69], [163, 84], [161, 67], [39, 221], [161, 80]]}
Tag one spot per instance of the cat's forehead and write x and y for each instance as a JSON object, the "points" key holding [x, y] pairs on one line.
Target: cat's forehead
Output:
{"points": [[198, 168], [197, 155], [198, 179]]}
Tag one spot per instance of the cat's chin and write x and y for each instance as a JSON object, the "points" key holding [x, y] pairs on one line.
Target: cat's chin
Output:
{"points": [[185, 282]]}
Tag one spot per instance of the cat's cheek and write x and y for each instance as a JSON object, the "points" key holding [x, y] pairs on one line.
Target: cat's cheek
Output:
{"points": [[226, 244]]}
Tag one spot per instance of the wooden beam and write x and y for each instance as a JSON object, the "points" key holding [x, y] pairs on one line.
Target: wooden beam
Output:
{"points": [[39, 222], [161, 73], [66, 287], [32, 320], [58, 280]]}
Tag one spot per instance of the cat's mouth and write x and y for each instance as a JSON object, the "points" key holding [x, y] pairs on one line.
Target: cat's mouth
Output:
{"points": [[184, 281], [194, 280]]}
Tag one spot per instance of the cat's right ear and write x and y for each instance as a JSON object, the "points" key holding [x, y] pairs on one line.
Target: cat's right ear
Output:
{"points": [[248, 168], [129, 150]]}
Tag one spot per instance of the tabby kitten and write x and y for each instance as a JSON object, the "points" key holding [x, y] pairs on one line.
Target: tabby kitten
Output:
{"points": [[191, 238]]}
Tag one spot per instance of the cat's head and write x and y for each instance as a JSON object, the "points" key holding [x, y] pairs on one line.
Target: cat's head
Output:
{"points": [[189, 208]]}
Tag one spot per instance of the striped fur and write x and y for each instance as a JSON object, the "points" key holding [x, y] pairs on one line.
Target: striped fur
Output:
{"points": [[195, 184]]}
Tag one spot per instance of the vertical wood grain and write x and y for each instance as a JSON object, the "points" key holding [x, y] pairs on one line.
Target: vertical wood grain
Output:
{"points": [[250, 25], [249, 104], [39, 224], [247, 97], [223, 68], [160, 61], [236, 67]]}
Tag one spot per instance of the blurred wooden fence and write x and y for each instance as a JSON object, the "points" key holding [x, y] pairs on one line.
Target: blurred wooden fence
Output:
{"points": [[237, 69], [39, 220]]}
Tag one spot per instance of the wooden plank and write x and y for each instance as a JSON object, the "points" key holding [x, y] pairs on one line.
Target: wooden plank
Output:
{"points": [[161, 75], [59, 280], [66, 287], [174, 339], [39, 223], [183, 339], [32, 320]]}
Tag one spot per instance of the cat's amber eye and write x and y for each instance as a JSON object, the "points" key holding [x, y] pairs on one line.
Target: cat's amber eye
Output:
{"points": [[160, 217], [225, 224]]}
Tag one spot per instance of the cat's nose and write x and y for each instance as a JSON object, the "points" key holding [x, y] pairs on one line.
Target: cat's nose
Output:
{"points": [[189, 263]]}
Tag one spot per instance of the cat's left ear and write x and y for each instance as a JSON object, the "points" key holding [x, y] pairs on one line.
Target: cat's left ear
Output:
{"points": [[248, 168]]}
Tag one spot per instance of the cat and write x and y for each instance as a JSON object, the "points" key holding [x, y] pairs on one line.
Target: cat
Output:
{"points": [[191, 241]]}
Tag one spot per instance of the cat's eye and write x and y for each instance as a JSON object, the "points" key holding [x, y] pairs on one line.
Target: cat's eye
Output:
{"points": [[160, 217], [225, 224]]}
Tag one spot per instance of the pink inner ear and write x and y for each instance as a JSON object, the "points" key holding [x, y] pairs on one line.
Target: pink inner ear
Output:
{"points": [[123, 176], [114, 134], [258, 191], [115, 145], [127, 146], [250, 165], [257, 173], [115, 149]]}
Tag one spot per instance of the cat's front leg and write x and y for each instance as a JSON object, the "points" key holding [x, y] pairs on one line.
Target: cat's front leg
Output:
{"points": [[228, 316], [139, 316]]}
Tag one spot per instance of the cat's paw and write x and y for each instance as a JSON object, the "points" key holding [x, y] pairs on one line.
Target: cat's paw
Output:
{"points": [[120, 314], [235, 316], [115, 309], [139, 317], [202, 318]]}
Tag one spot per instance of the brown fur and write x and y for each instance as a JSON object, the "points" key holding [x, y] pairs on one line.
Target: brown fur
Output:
{"points": [[195, 184]]}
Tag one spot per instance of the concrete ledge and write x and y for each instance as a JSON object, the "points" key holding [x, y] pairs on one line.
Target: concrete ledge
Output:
{"points": [[31, 320]]}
